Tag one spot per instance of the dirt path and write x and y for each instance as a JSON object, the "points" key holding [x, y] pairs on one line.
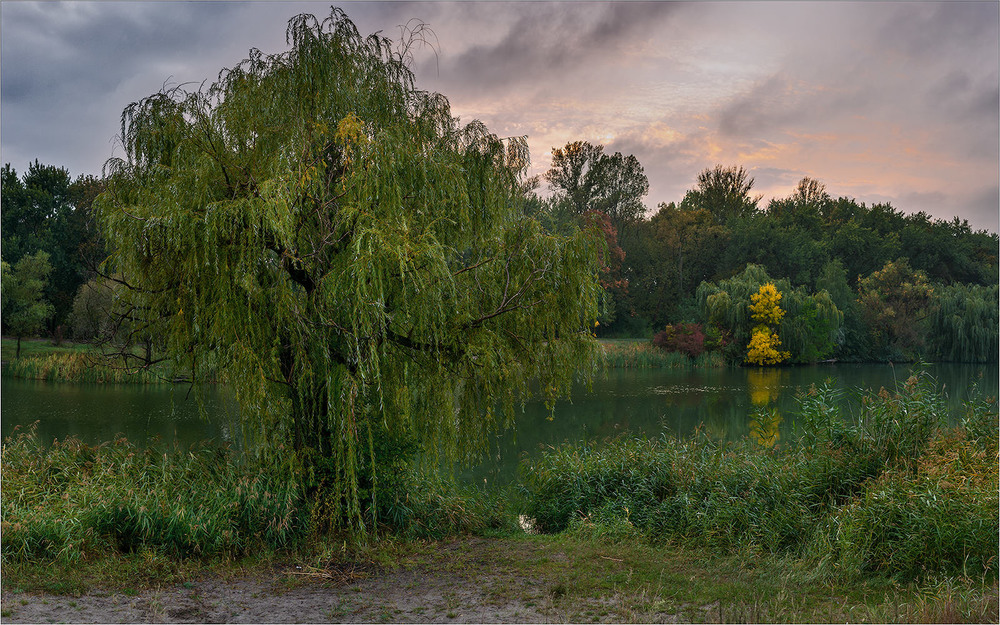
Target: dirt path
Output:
{"points": [[470, 580], [396, 597]]}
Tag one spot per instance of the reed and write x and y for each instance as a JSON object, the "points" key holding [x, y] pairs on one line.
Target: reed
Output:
{"points": [[644, 355], [70, 501], [81, 367]]}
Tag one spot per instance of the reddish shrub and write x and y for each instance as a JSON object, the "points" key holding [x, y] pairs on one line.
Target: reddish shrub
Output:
{"points": [[686, 338]]}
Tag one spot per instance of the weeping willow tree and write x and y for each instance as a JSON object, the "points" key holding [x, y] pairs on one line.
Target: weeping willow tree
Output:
{"points": [[965, 324], [347, 257]]}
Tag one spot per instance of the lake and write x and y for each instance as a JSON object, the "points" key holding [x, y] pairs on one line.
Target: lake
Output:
{"points": [[648, 402]]}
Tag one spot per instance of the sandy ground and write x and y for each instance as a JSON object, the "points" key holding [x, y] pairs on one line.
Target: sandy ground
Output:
{"points": [[481, 590], [397, 597]]}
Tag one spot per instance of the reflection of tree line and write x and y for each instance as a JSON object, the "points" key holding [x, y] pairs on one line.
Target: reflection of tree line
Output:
{"points": [[98, 413]]}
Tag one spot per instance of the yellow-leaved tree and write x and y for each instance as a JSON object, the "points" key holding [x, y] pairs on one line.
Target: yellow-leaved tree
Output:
{"points": [[764, 347]]}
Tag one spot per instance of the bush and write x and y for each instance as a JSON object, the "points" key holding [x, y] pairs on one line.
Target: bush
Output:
{"points": [[70, 501], [686, 338], [639, 355], [941, 518]]}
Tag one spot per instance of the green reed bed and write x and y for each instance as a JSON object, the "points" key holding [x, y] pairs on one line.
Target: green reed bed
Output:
{"points": [[892, 494], [623, 354], [70, 501], [67, 502], [81, 367]]}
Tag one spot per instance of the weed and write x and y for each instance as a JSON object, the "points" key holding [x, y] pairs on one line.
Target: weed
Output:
{"points": [[69, 501]]}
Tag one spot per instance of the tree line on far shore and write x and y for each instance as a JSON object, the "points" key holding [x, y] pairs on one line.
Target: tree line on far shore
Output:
{"points": [[899, 286], [866, 282]]}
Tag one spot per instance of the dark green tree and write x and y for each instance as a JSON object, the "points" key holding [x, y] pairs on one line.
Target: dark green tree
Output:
{"points": [[861, 249], [690, 242], [571, 177], [784, 250], [896, 302], [621, 184], [810, 192], [584, 178], [724, 192], [351, 261], [47, 211]]}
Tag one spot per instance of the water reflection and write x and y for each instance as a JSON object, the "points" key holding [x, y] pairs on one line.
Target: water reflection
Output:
{"points": [[764, 386], [95, 413], [725, 404]]}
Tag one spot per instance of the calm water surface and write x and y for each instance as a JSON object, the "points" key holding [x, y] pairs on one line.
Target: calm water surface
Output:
{"points": [[646, 402]]}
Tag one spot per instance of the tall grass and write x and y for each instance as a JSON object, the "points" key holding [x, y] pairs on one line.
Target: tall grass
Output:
{"points": [[644, 355], [891, 494], [36, 347], [81, 367], [70, 501]]}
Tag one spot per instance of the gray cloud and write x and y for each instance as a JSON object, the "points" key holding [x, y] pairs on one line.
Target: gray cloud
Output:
{"points": [[546, 40], [881, 99], [65, 65], [46, 50], [981, 208], [906, 63]]}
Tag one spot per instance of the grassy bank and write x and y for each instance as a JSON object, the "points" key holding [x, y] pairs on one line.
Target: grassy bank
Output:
{"points": [[40, 360], [70, 502], [641, 354], [82, 366], [567, 577], [77, 362], [31, 348]]}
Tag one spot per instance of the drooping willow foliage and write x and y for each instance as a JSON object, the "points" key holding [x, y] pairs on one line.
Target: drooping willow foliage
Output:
{"points": [[965, 322], [350, 259]]}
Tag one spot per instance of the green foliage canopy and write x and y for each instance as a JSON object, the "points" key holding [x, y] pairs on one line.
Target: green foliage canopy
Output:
{"points": [[44, 210], [584, 179], [352, 261], [965, 322], [896, 302], [724, 192], [25, 309]]}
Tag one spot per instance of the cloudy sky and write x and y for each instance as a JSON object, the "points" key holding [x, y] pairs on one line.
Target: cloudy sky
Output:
{"points": [[894, 101]]}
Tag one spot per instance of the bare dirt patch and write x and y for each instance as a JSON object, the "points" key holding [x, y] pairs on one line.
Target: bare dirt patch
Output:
{"points": [[469, 580]]}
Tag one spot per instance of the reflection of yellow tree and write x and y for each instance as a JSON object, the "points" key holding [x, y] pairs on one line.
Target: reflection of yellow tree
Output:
{"points": [[764, 386]]}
